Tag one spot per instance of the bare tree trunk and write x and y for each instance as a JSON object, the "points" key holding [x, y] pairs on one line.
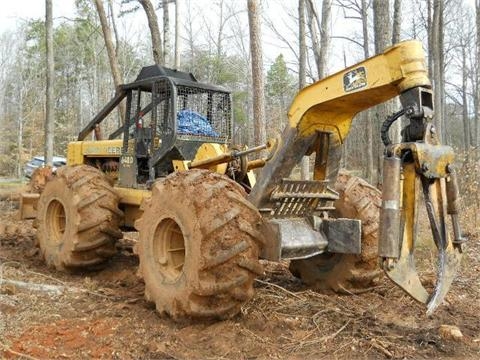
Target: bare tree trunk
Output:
{"points": [[465, 118], [396, 30], [302, 65], [324, 37], [177, 34], [158, 56], [319, 47], [189, 28], [257, 71], [312, 16], [382, 30], [319, 29], [442, 73], [430, 38], [397, 21], [114, 26], [122, 108], [107, 36], [438, 62], [220, 32], [477, 85], [366, 37], [381, 21], [302, 50], [367, 118], [20, 132], [166, 32], [79, 126], [112, 57], [49, 107]]}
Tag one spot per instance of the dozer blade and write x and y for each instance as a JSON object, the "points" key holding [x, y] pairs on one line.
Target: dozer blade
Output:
{"points": [[397, 256]]}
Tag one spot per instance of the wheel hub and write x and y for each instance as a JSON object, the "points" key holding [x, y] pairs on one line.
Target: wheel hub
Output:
{"points": [[169, 248], [56, 221]]}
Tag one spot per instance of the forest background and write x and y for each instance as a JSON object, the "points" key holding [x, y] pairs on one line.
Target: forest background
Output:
{"points": [[300, 42]]}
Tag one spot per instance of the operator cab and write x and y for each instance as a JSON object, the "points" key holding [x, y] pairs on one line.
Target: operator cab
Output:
{"points": [[169, 116]]}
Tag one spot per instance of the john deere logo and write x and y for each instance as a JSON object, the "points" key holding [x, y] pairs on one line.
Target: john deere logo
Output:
{"points": [[355, 79]]}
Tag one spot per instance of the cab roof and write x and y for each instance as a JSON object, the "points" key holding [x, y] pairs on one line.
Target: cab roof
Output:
{"points": [[149, 74]]}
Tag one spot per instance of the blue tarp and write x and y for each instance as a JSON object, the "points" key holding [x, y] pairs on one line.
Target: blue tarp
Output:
{"points": [[193, 123]]}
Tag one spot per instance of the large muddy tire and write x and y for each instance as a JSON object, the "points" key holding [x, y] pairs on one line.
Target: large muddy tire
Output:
{"points": [[198, 246], [347, 273], [78, 219]]}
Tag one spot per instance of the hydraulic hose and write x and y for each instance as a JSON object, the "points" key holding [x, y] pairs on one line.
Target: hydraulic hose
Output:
{"points": [[386, 126]]}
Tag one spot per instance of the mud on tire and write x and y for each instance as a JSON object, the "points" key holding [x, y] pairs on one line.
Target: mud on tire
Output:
{"points": [[198, 246], [78, 218], [344, 272]]}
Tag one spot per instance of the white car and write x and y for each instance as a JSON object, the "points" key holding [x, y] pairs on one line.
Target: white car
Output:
{"points": [[39, 161]]}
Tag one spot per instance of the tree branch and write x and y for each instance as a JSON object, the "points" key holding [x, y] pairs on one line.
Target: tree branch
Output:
{"points": [[349, 39]]}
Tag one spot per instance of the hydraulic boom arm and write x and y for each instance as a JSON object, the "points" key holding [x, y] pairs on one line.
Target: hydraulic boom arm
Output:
{"points": [[322, 113], [319, 121]]}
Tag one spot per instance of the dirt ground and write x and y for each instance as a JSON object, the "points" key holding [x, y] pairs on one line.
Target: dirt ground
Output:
{"points": [[103, 314]]}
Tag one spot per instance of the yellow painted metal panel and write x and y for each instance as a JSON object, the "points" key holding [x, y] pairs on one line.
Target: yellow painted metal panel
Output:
{"points": [[106, 148], [212, 150], [74, 153], [78, 150], [330, 104], [132, 196], [180, 165]]}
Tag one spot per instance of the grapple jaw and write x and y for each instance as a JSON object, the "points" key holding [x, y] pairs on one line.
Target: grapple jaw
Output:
{"points": [[397, 255], [404, 274], [412, 168], [449, 263]]}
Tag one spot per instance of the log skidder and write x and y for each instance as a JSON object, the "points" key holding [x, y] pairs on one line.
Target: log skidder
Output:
{"points": [[179, 180]]}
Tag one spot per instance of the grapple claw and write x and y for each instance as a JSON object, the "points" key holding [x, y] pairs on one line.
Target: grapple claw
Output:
{"points": [[419, 158], [449, 254], [448, 265], [405, 275], [397, 237]]}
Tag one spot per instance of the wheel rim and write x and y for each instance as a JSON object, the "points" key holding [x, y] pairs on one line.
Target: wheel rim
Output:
{"points": [[56, 221], [169, 249]]}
